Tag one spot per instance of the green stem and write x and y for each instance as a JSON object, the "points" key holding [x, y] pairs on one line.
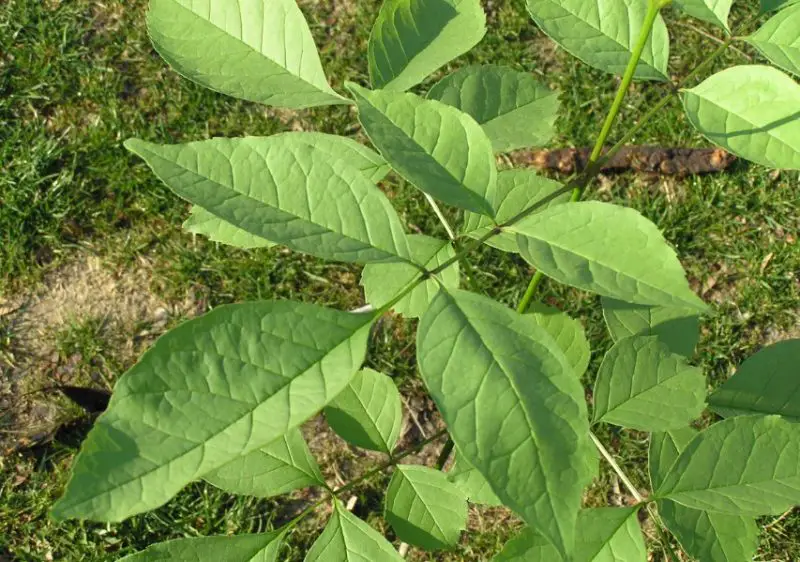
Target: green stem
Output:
{"points": [[530, 292]]}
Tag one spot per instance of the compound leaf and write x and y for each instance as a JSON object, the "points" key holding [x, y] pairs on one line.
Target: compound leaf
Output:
{"points": [[258, 50], [606, 534], [383, 281], [766, 383], [471, 482], [347, 538], [209, 391], [216, 229], [285, 191], [239, 548], [516, 191], [424, 508], [642, 385], [284, 465], [707, 536], [752, 111], [567, 332], [715, 12], [413, 38], [513, 406], [368, 413], [747, 465], [603, 34], [779, 39], [677, 328], [514, 109], [438, 148], [580, 244]]}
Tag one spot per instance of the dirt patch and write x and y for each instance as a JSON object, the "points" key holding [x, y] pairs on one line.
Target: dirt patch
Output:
{"points": [[117, 301]]}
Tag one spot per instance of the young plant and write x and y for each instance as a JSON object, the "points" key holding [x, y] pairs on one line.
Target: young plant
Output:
{"points": [[221, 397]]}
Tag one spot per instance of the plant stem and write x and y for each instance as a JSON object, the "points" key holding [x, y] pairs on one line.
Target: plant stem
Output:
{"points": [[445, 454], [440, 215], [530, 292], [622, 476]]}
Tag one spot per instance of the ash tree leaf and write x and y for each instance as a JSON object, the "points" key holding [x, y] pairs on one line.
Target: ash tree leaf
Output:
{"points": [[411, 39], [424, 508], [514, 109], [471, 483], [257, 50], [212, 390], [580, 244], [439, 149], [677, 328], [238, 548], [567, 332], [706, 536], [752, 111], [285, 191], [603, 34], [642, 385], [368, 413], [772, 5], [284, 465], [606, 534], [779, 39], [383, 281], [766, 383], [216, 229], [369, 162], [747, 465], [513, 406], [516, 190], [715, 12], [347, 538]]}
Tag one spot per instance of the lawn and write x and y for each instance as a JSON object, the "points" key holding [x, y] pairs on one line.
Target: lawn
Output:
{"points": [[94, 265]]}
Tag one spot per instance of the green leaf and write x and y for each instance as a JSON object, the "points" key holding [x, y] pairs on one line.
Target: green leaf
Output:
{"points": [[642, 385], [715, 12], [413, 38], [772, 5], [424, 508], [258, 50], [747, 465], [471, 482], [382, 282], [209, 391], [286, 191], [239, 548], [751, 111], [516, 190], [567, 332], [513, 406], [779, 39], [347, 538], [707, 536], [766, 383], [368, 413], [606, 534], [284, 465], [514, 109], [677, 328], [603, 34], [580, 244], [207, 224], [450, 158]]}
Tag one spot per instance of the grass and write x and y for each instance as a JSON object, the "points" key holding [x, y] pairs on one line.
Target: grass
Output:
{"points": [[78, 77]]}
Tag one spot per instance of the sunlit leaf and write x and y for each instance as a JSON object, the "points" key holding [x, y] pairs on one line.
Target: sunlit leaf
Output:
{"points": [[752, 111], [368, 413], [603, 34], [413, 38], [514, 109], [581, 244], [779, 39], [212, 390], [238, 548], [713, 11], [258, 50], [513, 406], [772, 5], [347, 538], [567, 332], [471, 482]]}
